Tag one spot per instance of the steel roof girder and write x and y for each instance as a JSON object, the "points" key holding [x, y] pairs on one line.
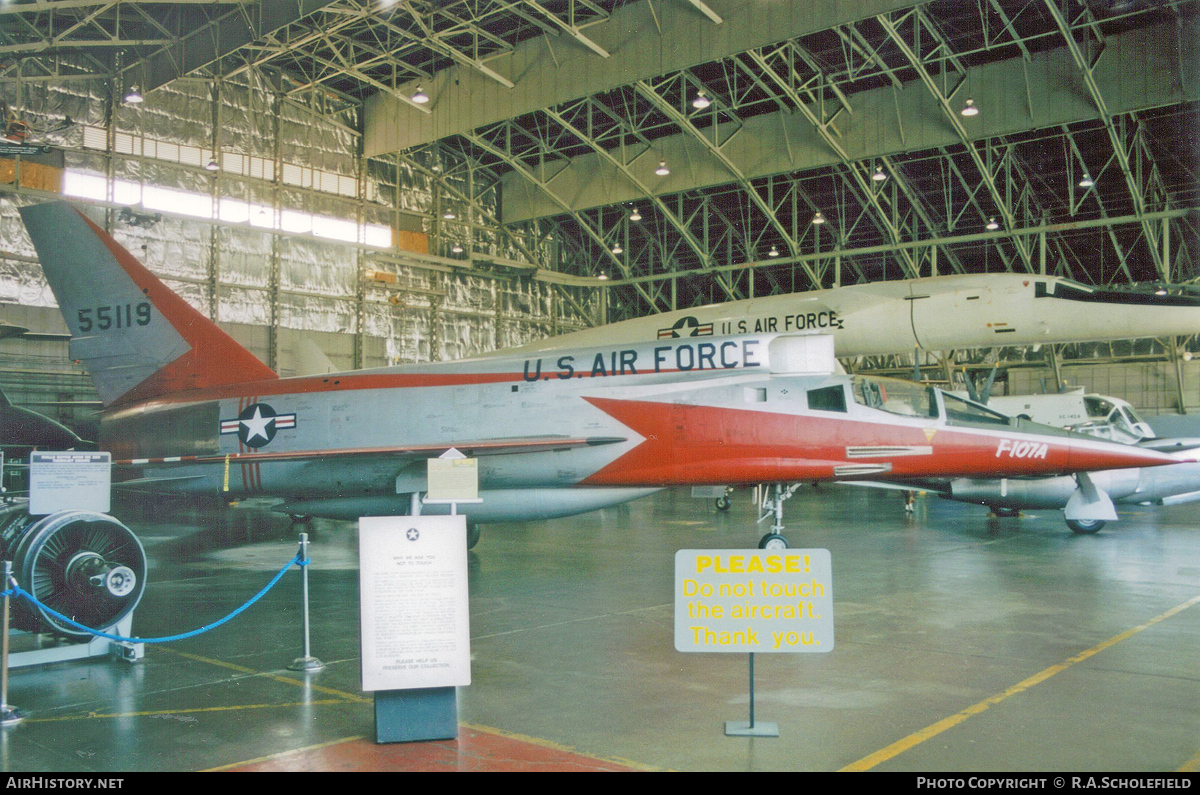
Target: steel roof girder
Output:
{"points": [[477, 103], [680, 226], [771, 144], [1086, 69], [520, 167]]}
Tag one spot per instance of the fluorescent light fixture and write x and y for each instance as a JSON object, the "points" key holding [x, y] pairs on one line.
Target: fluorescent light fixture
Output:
{"points": [[774, 252], [970, 108], [133, 96], [818, 219], [603, 275], [1086, 182], [662, 169], [618, 250], [635, 215], [419, 96], [992, 226], [879, 176], [701, 101]]}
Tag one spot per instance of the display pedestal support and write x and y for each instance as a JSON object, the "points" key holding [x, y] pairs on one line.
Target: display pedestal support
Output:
{"points": [[737, 728], [404, 716]]}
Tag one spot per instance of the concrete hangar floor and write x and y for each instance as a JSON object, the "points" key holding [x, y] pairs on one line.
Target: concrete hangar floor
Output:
{"points": [[963, 643]]}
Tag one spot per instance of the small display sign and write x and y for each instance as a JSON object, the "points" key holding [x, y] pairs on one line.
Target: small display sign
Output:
{"points": [[69, 482], [753, 600], [453, 478], [413, 602]]}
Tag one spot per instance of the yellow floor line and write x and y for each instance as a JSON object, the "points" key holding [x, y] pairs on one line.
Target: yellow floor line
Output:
{"points": [[287, 680], [915, 739], [152, 713], [1191, 766], [269, 757]]}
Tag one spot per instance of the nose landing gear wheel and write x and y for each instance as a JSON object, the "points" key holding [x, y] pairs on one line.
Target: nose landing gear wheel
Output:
{"points": [[773, 541], [723, 503]]}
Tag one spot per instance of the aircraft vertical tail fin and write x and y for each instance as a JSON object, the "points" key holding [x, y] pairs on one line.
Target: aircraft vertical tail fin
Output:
{"points": [[137, 338]]}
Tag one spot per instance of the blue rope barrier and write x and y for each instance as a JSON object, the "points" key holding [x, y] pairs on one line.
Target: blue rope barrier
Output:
{"points": [[296, 561]]}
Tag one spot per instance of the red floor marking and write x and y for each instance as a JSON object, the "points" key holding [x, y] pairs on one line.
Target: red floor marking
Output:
{"points": [[473, 751]]}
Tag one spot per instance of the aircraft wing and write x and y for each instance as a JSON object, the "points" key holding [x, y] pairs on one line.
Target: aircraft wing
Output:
{"points": [[472, 448], [136, 484], [1170, 444], [930, 485]]}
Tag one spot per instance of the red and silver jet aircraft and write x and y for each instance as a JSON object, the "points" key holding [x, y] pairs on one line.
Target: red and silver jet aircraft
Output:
{"points": [[188, 410]]}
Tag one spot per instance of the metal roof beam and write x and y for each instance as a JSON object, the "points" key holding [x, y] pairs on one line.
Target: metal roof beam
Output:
{"points": [[644, 48], [222, 35], [1139, 71]]}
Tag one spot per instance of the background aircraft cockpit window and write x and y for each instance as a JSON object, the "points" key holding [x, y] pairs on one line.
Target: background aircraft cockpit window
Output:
{"points": [[1131, 416], [1098, 408], [895, 396], [829, 398], [959, 410]]}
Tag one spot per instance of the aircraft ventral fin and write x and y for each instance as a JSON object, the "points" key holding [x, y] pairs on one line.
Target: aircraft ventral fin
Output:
{"points": [[534, 444]]}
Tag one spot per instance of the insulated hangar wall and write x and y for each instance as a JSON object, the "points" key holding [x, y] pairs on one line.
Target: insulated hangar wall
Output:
{"points": [[264, 216]]}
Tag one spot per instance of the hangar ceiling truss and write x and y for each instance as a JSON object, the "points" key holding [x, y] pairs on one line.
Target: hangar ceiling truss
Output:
{"points": [[1081, 161]]}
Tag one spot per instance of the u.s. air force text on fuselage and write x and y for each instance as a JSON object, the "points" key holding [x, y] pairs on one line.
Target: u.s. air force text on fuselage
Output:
{"points": [[677, 358]]}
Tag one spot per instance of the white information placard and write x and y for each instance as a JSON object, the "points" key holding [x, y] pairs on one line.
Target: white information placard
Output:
{"points": [[69, 482], [453, 478], [753, 600], [413, 602]]}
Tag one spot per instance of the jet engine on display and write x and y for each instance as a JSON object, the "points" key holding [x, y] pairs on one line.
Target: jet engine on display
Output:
{"points": [[86, 566], [189, 411]]}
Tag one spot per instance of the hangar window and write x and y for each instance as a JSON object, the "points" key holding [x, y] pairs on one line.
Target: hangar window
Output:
{"points": [[229, 209], [829, 398]]}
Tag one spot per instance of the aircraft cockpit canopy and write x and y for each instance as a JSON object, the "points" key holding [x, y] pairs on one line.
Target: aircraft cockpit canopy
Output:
{"points": [[1121, 417], [895, 396], [962, 410], [911, 399]]}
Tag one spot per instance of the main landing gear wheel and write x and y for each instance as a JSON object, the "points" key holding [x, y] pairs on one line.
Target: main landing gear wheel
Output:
{"points": [[1085, 526], [773, 541], [723, 503], [473, 533]]}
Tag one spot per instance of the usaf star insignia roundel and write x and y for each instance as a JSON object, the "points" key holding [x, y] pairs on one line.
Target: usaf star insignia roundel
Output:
{"points": [[257, 424]]}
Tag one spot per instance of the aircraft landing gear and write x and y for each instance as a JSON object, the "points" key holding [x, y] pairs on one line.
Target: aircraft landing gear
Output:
{"points": [[473, 533], [772, 506], [1085, 526], [724, 502]]}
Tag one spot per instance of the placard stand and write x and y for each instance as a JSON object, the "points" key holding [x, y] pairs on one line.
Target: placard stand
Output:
{"points": [[739, 728], [404, 716], [415, 623]]}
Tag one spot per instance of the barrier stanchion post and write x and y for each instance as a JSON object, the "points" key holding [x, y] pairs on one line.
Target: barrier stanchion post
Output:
{"points": [[306, 662], [9, 715]]}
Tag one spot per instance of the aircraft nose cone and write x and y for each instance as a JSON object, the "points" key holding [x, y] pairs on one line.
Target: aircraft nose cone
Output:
{"points": [[1086, 455]]}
